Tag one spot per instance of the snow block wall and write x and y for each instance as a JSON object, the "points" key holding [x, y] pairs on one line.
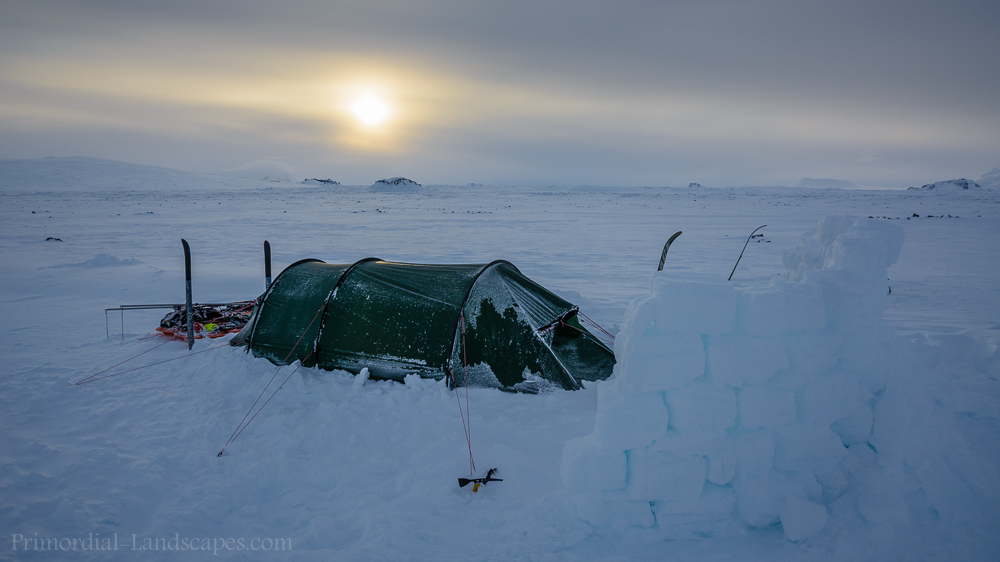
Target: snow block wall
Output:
{"points": [[744, 406]]}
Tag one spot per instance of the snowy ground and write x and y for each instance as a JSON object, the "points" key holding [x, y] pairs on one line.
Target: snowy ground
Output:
{"points": [[369, 473]]}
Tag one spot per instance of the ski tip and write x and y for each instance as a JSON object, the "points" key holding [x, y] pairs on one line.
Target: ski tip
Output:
{"points": [[666, 247]]}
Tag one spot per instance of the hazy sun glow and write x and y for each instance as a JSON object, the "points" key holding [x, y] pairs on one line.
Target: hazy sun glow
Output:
{"points": [[370, 111]]}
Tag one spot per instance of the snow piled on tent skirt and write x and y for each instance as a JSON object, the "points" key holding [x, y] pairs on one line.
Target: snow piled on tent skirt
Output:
{"points": [[785, 401]]}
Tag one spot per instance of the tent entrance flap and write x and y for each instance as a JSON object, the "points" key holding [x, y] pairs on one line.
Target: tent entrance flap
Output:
{"points": [[398, 319]]}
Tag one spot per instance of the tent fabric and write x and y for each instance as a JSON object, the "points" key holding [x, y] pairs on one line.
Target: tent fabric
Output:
{"points": [[485, 323]]}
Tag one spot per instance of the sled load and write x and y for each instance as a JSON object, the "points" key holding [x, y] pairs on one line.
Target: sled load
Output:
{"points": [[487, 324], [210, 320]]}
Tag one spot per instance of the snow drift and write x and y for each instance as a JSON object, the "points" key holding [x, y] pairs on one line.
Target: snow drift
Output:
{"points": [[783, 402], [102, 260]]}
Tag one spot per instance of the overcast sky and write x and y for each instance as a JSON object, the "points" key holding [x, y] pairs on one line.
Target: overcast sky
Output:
{"points": [[511, 92]]}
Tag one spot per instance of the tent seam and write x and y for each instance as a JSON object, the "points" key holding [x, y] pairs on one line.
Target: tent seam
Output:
{"points": [[263, 298], [330, 297]]}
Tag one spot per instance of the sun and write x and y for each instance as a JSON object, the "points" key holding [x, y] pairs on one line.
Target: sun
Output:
{"points": [[370, 110]]}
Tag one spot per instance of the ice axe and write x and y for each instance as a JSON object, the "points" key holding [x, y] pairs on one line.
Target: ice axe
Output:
{"points": [[463, 482]]}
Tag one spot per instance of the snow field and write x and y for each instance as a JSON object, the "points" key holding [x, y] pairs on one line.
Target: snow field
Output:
{"points": [[368, 472]]}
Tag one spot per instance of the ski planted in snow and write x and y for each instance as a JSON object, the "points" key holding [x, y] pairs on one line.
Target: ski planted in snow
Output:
{"points": [[663, 256], [189, 309], [267, 265], [744, 249]]}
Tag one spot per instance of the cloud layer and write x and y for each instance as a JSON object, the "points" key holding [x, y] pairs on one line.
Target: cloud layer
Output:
{"points": [[633, 92]]}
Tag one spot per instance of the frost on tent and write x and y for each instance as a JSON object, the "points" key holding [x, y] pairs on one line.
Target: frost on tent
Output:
{"points": [[524, 335], [767, 404]]}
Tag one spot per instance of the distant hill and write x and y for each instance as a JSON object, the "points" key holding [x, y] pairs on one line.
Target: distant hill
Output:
{"points": [[395, 184], [991, 179], [90, 174], [96, 174], [270, 171], [961, 184], [318, 182]]}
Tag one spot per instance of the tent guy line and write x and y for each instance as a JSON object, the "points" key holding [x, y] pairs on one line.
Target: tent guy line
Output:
{"points": [[467, 426], [92, 379], [122, 362], [239, 428]]}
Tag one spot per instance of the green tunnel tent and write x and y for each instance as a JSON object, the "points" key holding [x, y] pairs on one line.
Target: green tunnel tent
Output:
{"points": [[487, 322]]}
